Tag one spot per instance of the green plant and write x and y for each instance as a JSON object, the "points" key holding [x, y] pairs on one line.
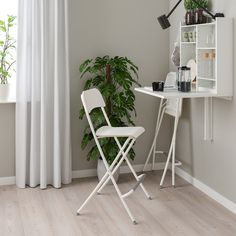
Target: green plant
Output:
{"points": [[114, 77], [203, 3], [191, 5], [7, 49]]}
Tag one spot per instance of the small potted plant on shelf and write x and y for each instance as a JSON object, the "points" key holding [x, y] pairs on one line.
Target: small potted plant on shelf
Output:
{"points": [[114, 77], [189, 16], [199, 17], [7, 55], [194, 14]]}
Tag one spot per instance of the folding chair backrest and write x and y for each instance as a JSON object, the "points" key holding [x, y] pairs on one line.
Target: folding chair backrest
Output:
{"points": [[171, 106], [91, 99]]}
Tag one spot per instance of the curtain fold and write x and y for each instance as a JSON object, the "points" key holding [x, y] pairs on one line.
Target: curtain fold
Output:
{"points": [[43, 153]]}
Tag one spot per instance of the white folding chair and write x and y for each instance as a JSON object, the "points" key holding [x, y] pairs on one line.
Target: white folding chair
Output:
{"points": [[93, 99], [171, 107]]}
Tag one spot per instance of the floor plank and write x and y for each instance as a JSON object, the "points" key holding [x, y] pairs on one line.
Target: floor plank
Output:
{"points": [[179, 211]]}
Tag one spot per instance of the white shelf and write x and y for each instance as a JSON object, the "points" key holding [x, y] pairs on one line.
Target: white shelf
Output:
{"points": [[199, 25], [188, 43], [206, 48], [207, 79], [221, 32], [188, 26], [207, 24]]}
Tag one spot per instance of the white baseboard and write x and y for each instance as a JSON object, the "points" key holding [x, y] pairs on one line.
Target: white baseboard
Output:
{"points": [[7, 180], [77, 174], [207, 190]]}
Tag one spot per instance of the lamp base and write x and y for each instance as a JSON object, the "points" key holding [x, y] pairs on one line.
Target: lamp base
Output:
{"points": [[219, 15]]}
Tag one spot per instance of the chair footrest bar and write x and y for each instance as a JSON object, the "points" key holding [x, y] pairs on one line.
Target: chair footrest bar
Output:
{"points": [[160, 152], [141, 178], [178, 163]]}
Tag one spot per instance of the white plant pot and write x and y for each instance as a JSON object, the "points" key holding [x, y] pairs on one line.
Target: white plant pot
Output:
{"points": [[5, 90], [101, 170]]}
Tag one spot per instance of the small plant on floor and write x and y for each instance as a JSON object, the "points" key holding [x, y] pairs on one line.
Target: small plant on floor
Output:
{"points": [[7, 49], [114, 77]]}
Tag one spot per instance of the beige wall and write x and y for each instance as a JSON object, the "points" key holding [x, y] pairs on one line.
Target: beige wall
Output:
{"points": [[212, 163], [7, 140], [126, 28]]}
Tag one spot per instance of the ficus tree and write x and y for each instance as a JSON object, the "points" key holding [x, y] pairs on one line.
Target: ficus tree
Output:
{"points": [[114, 77]]}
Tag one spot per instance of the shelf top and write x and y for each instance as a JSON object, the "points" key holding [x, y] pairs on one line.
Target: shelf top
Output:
{"points": [[206, 48], [188, 42], [191, 26], [176, 94], [204, 78]]}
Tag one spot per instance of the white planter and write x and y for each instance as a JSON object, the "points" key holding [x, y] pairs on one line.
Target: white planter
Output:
{"points": [[101, 170], [5, 90]]}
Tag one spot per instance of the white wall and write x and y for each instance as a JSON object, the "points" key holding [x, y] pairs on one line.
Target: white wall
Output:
{"points": [[7, 140], [126, 28], [211, 163]]}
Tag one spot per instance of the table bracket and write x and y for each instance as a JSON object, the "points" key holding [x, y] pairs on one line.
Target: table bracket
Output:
{"points": [[208, 119]]}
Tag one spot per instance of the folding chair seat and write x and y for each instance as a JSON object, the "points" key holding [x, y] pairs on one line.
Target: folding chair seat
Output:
{"points": [[107, 131], [93, 99]]}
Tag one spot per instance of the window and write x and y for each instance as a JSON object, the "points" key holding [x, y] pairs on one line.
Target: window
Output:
{"points": [[8, 35]]}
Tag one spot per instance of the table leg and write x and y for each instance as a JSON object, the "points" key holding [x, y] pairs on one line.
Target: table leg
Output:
{"points": [[172, 147], [153, 147], [174, 142]]}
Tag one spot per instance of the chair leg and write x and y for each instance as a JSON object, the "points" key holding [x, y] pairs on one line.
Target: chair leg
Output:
{"points": [[133, 171], [118, 165], [92, 193], [122, 200], [136, 177]]}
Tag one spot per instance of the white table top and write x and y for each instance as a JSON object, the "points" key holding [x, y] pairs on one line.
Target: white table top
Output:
{"points": [[175, 93]]}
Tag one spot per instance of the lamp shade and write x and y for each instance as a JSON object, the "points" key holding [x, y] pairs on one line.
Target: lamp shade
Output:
{"points": [[164, 22]]}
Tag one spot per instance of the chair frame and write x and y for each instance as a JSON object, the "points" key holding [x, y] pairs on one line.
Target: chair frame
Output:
{"points": [[154, 152], [121, 156]]}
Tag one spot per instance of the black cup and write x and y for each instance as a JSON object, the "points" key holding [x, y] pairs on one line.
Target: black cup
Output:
{"points": [[158, 86]]}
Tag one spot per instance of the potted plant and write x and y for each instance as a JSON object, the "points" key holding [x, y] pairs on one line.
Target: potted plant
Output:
{"points": [[199, 17], [194, 14], [114, 77], [7, 55], [189, 16]]}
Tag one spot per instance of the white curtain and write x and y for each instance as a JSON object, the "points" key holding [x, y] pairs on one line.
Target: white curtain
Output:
{"points": [[43, 154]]}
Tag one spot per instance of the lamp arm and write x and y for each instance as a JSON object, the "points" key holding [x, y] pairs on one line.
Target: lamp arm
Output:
{"points": [[207, 11], [177, 4]]}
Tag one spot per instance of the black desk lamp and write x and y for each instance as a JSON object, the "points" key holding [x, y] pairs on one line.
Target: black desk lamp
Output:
{"points": [[165, 23]]}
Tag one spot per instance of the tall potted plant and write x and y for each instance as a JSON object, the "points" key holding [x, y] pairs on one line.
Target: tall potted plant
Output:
{"points": [[114, 77], [7, 55]]}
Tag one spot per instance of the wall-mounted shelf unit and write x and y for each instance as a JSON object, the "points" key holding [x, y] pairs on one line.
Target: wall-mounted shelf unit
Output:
{"points": [[211, 46]]}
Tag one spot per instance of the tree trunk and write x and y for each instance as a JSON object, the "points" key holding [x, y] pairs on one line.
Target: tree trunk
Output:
{"points": [[108, 81]]}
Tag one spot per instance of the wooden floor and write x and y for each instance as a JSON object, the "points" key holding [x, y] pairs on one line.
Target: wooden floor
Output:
{"points": [[180, 211]]}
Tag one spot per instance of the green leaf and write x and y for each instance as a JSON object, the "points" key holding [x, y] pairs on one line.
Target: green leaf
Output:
{"points": [[81, 113], [117, 92], [84, 65]]}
